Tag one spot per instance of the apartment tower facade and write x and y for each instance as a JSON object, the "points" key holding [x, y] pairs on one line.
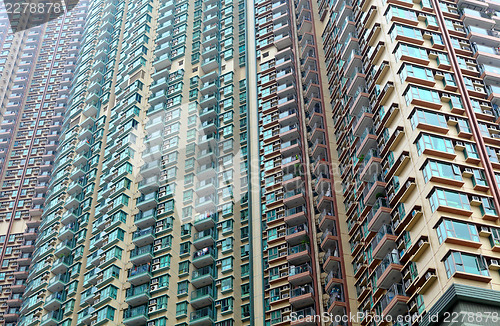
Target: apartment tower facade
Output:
{"points": [[265, 162], [414, 93], [146, 220], [36, 68]]}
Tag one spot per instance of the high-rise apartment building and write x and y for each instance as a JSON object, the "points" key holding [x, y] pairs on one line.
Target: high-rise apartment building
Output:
{"points": [[36, 67], [265, 162], [146, 219], [414, 88]]}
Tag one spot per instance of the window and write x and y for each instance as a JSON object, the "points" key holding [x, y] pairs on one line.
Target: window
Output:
{"points": [[181, 309], [226, 284], [423, 94], [182, 288], [227, 244], [441, 169], [441, 144], [441, 197], [487, 206], [411, 51], [454, 229], [470, 151], [406, 31], [185, 248], [416, 72], [427, 117], [227, 264], [467, 263]]}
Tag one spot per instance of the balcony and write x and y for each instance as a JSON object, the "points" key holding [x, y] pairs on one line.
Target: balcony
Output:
{"points": [[143, 237], [388, 271], [294, 198], [394, 302], [136, 296], [298, 254], [296, 234], [295, 215], [53, 318], [379, 214], [383, 242], [62, 264], [54, 301], [202, 317], [145, 219], [373, 190], [302, 296], [135, 316], [204, 239], [331, 257], [141, 255], [301, 317], [147, 202], [205, 221], [203, 276], [299, 275], [206, 203], [58, 282], [202, 297], [139, 274], [204, 257]]}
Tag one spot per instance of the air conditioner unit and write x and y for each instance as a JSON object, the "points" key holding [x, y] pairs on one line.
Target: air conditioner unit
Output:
{"points": [[154, 287], [459, 145], [476, 201]]}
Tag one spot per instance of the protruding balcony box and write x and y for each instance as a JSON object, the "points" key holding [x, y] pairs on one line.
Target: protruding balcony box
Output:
{"points": [[203, 276], [202, 317], [15, 300], [295, 215], [206, 171], [296, 234], [202, 297], [53, 318], [57, 283], [383, 242], [135, 316], [203, 204], [290, 148], [206, 187], [18, 288], [477, 18], [146, 202], [145, 219], [379, 214], [61, 265], [139, 295], [55, 300], [139, 274], [204, 239], [373, 189], [332, 255], [302, 296], [298, 254], [205, 221], [336, 302], [204, 257], [326, 219], [143, 237], [294, 198], [329, 237], [141, 255], [302, 317], [394, 302], [333, 278], [367, 140], [388, 271], [299, 275]]}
